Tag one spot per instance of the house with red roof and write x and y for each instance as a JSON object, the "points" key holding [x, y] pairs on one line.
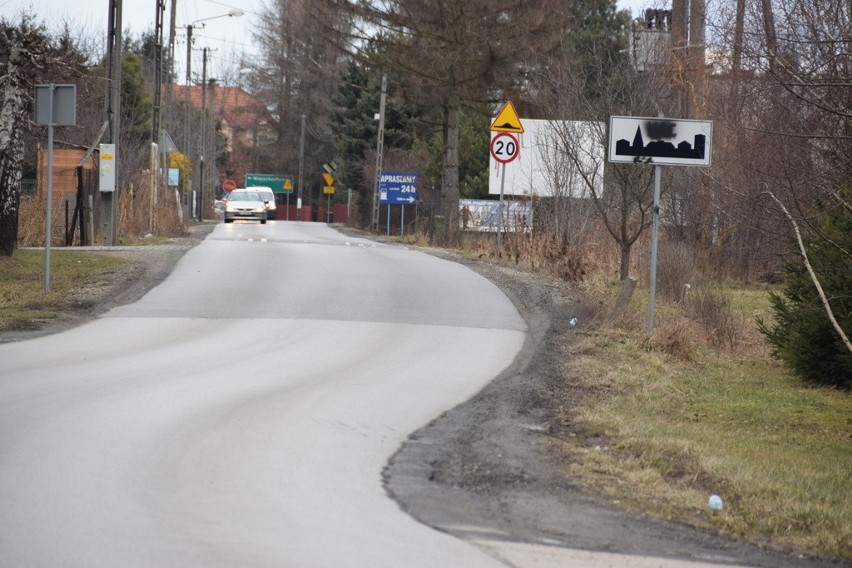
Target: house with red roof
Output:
{"points": [[245, 119]]}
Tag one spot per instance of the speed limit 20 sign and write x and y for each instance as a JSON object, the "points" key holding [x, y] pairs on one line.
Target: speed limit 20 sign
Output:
{"points": [[505, 147]]}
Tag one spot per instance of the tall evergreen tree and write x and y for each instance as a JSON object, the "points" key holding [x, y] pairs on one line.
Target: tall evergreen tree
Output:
{"points": [[353, 121], [357, 99], [450, 52], [597, 33]]}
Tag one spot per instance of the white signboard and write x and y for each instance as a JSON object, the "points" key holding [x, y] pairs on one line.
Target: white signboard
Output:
{"points": [[660, 141], [107, 168], [543, 166]]}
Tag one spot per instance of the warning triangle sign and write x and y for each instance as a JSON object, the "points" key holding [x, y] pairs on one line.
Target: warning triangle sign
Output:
{"points": [[507, 120]]}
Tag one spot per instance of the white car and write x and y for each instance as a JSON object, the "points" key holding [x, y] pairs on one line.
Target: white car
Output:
{"points": [[246, 204], [266, 194]]}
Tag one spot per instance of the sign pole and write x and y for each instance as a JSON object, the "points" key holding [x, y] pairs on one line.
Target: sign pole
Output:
{"points": [[504, 149], [402, 223], [500, 212], [397, 188], [659, 141], [60, 104], [652, 278], [49, 228]]}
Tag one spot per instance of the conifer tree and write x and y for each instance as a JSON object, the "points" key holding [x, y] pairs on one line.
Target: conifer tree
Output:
{"points": [[802, 334]]}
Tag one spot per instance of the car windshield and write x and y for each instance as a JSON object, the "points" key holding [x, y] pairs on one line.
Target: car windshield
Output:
{"points": [[245, 196]]}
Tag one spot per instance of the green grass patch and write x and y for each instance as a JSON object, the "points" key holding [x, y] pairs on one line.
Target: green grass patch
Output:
{"points": [[778, 452], [24, 303]]}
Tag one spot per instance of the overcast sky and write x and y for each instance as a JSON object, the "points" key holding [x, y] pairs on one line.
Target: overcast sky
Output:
{"points": [[226, 37]]}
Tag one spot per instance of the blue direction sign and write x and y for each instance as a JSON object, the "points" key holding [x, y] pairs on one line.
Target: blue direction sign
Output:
{"points": [[398, 188]]}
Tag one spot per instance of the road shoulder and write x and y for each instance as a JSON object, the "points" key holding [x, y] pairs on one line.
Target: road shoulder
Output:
{"points": [[490, 470]]}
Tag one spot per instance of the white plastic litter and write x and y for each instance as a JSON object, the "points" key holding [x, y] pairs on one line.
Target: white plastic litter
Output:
{"points": [[715, 502]]}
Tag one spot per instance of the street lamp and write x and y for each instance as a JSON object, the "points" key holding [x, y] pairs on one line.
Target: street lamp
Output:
{"points": [[189, 28]]}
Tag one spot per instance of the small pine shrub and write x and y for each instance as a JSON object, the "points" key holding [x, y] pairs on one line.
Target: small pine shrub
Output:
{"points": [[801, 334]]}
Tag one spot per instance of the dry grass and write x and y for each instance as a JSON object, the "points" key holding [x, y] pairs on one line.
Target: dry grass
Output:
{"points": [[24, 303], [138, 218], [684, 415], [712, 306], [699, 407]]}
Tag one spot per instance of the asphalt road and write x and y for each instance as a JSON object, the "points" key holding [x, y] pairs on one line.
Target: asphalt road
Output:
{"points": [[241, 413]]}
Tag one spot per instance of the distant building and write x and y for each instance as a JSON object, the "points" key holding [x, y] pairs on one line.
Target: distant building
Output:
{"points": [[651, 40], [245, 119]]}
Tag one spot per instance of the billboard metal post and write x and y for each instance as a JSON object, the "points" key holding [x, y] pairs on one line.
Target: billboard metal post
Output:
{"points": [[655, 229], [49, 229], [55, 105]]}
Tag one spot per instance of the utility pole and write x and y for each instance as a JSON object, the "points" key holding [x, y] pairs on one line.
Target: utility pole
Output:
{"points": [[689, 50], [203, 135], [380, 144], [170, 77], [108, 206], [158, 69], [301, 169], [188, 84]]}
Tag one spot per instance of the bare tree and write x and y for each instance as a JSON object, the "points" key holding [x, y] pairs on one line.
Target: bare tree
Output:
{"points": [[565, 209], [788, 124], [27, 52], [623, 197], [297, 75]]}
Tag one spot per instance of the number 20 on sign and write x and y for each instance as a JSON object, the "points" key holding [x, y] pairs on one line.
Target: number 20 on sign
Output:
{"points": [[504, 147]]}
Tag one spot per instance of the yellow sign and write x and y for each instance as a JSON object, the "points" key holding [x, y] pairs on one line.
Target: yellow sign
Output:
{"points": [[107, 157], [507, 120], [329, 179], [288, 185], [329, 189]]}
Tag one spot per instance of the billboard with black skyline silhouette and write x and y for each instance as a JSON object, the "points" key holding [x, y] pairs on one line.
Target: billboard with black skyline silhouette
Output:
{"points": [[660, 141]]}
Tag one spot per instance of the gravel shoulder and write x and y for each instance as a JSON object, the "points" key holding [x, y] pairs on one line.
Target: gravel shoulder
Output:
{"points": [[491, 467]]}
